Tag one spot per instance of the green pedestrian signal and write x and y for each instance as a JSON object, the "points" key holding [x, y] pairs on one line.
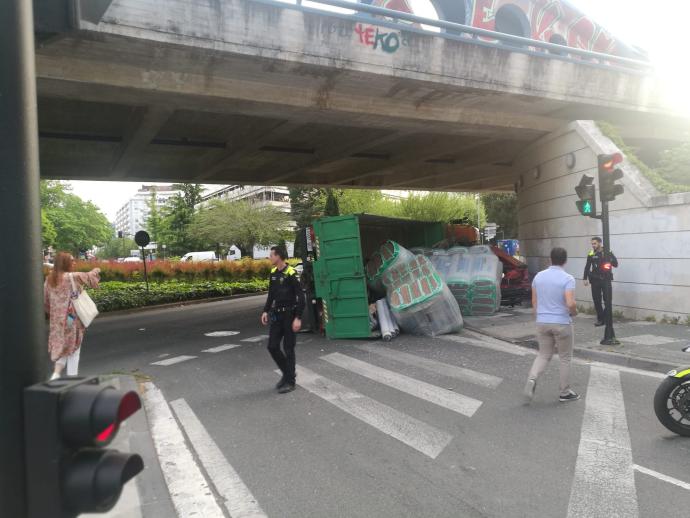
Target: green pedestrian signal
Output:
{"points": [[587, 204]]}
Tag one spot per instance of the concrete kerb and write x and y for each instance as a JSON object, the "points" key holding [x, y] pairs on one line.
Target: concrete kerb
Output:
{"points": [[622, 360], [179, 304]]}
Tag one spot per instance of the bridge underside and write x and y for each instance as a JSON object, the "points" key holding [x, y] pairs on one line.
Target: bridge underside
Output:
{"points": [[170, 103]]}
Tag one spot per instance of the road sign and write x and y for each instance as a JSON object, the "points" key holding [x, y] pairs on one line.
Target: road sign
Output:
{"points": [[142, 238]]}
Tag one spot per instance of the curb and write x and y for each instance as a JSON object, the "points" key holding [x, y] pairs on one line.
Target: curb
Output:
{"points": [[169, 305], [622, 360]]}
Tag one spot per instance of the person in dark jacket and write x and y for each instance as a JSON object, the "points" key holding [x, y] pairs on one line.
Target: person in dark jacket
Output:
{"points": [[596, 276], [283, 310]]}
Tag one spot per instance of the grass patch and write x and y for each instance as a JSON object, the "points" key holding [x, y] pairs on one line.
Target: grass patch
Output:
{"points": [[658, 181]]}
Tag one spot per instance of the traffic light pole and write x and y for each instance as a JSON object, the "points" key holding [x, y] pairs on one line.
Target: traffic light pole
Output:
{"points": [[22, 338], [609, 333]]}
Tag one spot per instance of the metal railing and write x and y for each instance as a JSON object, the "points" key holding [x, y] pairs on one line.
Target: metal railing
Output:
{"points": [[389, 18]]}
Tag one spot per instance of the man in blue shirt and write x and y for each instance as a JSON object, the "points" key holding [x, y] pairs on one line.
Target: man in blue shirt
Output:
{"points": [[553, 300]]}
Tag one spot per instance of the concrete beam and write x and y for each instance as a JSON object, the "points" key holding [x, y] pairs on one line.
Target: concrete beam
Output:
{"points": [[145, 125]]}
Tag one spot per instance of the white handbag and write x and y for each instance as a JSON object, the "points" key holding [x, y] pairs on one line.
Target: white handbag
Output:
{"points": [[85, 307]]}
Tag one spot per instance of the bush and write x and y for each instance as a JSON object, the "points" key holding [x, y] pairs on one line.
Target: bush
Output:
{"points": [[115, 295], [163, 271]]}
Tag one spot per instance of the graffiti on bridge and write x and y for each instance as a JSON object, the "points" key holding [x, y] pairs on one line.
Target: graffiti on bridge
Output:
{"points": [[376, 38]]}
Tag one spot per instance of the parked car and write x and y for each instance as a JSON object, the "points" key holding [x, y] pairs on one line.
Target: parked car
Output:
{"points": [[199, 256], [131, 260]]}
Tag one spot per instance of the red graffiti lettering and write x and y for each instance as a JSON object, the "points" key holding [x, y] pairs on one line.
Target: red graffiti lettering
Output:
{"points": [[366, 35]]}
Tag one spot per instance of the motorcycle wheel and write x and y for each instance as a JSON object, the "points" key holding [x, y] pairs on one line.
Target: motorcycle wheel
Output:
{"points": [[672, 405]]}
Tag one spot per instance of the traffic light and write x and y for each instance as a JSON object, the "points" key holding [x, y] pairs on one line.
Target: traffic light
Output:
{"points": [[586, 191], [67, 423], [609, 173]]}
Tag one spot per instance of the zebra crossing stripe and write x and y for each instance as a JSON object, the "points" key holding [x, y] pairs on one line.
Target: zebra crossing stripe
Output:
{"points": [[459, 403], [255, 338], [238, 500], [485, 342], [451, 371], [188, 488], [604, 482], [220, 348], [173, 360], [410, 431]]}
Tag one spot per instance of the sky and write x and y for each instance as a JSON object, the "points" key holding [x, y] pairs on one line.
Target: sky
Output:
{"points": [[658, 27]]}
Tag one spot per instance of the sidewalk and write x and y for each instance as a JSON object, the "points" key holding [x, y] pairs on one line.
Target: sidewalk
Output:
{"points": [[644, 345]]}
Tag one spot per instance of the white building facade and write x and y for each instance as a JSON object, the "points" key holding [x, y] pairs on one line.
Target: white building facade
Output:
{"points": [[133, 215]]}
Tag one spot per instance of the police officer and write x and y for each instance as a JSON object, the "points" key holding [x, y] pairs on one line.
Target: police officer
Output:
{"points": [[283, 309], [596, 276]]}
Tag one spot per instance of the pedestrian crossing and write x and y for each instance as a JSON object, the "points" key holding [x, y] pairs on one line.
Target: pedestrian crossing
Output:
{"points": [[603, 483]]}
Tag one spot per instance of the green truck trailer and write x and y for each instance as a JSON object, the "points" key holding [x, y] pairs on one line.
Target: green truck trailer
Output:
{"points": [[343, 245]]}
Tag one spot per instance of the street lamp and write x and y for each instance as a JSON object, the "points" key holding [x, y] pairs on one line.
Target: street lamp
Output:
{"points": [[163, 247]]}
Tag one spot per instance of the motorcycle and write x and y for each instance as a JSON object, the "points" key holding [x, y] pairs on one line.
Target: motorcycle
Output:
{"points": [[672, 401]]}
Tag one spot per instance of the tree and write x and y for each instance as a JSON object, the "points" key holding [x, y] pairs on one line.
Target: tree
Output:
{"points": [[48, 232], [674, 164], [177, 218], [307, 204], [331, 208], [501, 208], [154, 221], [78, 225], [440, 206], [242, 224], [117, 247]]}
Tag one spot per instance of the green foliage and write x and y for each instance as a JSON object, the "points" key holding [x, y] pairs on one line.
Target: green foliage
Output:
{"points": [[440, 206], [117, 247], [112, 296], [661, 183], [71, 224], [674, 164], [48, 232], [175, 226], [501, 208], [154, 222], [331, 208], [307, 203], [241, 223]]}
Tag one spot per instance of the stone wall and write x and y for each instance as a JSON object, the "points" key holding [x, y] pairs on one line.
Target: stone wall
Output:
{"points": [[650, 232]]}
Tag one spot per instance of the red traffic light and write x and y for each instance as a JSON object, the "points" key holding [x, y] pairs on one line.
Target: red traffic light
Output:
{"points": [[609, 162], [91, 414]]}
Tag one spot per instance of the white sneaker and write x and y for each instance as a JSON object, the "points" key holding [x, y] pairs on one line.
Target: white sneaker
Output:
{"points": [[55, 376], [530, 387]]}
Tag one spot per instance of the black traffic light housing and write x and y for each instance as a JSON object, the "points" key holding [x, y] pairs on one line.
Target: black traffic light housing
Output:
{"points": [[67, 423], [587, 192], [609, 173]]}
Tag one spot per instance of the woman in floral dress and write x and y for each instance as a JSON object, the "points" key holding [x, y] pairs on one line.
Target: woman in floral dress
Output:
{"points": [[66, 330]]}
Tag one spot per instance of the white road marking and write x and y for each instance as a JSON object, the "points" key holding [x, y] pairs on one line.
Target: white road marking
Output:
{"points": [[239, 501], [414, 433], [222, 333], [604, 482], [621, 368], [188, 488], [174, 360], [650, 339], [255, 338], [459, 403], [661, 476], [220, 348], [486, 342], [451, 371]]}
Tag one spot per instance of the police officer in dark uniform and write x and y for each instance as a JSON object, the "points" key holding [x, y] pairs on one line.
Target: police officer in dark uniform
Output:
{"points": [[283, 310], [596, 276]]}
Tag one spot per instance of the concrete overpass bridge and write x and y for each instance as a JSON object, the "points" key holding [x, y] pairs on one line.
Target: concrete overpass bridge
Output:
{"points": [[260, 92], [254, 91]]}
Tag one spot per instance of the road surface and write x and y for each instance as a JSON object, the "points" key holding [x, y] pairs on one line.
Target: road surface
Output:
{"points": [[416, 427]]}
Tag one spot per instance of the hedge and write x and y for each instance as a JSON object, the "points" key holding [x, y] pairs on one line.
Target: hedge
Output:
{"points": [[162, 271], [112, 296]]}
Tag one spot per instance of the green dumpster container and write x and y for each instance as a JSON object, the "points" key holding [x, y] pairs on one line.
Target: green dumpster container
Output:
{"points": [[343, 246]]}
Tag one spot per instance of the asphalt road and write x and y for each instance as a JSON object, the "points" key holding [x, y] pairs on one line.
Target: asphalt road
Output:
{"points": [[440, 430]]}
